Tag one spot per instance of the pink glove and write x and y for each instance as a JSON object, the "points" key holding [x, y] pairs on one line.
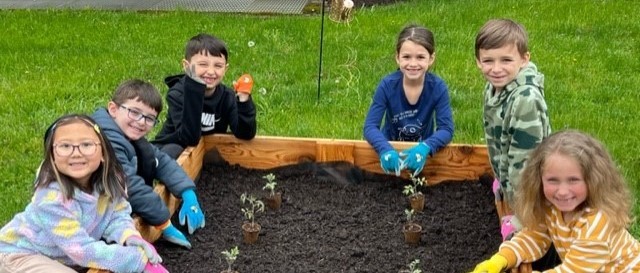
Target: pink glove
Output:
{"points": [[507, 229], [148, 248], [154, 268], [496, 189]]}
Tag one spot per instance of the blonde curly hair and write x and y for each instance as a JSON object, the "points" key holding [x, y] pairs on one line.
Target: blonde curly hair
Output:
{"points": [[607, 189]]}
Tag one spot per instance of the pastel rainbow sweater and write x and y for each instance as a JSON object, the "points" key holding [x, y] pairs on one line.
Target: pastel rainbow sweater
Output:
{"points": [[87, 230]]}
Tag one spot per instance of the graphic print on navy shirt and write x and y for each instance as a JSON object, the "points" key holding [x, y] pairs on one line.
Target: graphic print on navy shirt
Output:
{"points": [[408, 127]]}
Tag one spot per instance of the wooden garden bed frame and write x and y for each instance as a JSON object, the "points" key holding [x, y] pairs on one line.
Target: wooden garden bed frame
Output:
{"points": [[454, 162]]}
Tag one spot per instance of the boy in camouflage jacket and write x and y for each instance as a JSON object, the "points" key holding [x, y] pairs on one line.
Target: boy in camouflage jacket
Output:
{"points": [[515, 113]]}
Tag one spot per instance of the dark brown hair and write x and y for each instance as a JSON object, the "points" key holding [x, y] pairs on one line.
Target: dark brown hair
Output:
{"points": [[417, 34], [140, 91]]}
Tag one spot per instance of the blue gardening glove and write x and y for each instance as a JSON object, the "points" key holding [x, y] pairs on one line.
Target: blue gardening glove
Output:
{"points": [[415, 157], [495, 264], [191, 211], [390, 162], [154, 268], [148, 248], [172, 234]]}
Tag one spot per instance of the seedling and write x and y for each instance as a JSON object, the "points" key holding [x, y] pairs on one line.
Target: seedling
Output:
{"points": [[255, 205], [231, 255], [409, 213], [413, 266], [271, 183], [412, 189]]}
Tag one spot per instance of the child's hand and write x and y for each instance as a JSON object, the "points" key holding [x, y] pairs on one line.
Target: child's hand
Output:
{"points": [[172, 234], [495, 187], [509, 227], [415, 157], [191, 213], [244, 84], [148, 248], [390, 162], [154, 268], [494, 265], [190, 70]]}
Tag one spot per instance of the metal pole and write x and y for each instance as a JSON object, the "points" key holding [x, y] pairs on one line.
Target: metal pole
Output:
{"points": [[320, 58]]}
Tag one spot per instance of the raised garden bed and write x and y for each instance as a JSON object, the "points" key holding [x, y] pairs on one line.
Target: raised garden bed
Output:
{"points": [[453, 163], [329, 224]]}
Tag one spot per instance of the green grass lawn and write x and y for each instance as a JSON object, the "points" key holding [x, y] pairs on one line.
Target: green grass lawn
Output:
{"points": [[56, 62]]}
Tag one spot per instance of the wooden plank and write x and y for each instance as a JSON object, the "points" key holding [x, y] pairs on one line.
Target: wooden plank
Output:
{"points": [[262, 152], [332, 151], [454, 162]]}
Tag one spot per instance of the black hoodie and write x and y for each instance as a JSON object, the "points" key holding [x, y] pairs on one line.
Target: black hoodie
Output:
{"points": [[192, 115]]}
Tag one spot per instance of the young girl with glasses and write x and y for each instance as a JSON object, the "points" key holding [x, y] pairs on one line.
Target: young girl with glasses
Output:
{"points": [[78, 216]]}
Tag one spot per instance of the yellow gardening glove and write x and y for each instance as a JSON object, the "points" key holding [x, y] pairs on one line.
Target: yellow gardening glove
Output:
{"points": [[496, 264]]}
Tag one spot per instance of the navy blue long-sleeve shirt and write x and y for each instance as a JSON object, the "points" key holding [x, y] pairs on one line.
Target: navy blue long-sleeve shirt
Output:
{"points": [[429, 120]]}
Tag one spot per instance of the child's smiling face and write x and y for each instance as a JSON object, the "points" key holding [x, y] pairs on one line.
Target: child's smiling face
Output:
{"points": [[209, 68], [79, 165], [500, 66], [124, 114], [563, 183], [414, 60]]}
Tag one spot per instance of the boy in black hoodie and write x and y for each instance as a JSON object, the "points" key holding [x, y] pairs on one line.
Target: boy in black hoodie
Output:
{"points": [[199, 104]]}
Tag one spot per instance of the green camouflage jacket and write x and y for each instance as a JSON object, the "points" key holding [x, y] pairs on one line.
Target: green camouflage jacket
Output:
{"points": [[515, 121]]}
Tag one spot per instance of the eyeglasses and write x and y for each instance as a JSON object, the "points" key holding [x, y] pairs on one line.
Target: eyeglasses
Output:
{"points": [[137, 115], [85, 148]]}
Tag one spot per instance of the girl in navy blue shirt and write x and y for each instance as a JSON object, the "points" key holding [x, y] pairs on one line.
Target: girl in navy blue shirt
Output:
{"points": [[414, 104]]}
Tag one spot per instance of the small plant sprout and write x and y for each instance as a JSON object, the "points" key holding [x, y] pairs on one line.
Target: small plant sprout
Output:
{"points": [[255, 205], [231, 255], [412, 189], [413, 266], [409, 213], [271, 183]]}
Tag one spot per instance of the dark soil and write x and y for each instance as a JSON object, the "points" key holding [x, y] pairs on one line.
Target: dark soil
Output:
{"points": [[329, 224]]}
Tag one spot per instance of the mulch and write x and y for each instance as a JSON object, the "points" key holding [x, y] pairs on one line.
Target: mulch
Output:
{"points": [[335, 218]]}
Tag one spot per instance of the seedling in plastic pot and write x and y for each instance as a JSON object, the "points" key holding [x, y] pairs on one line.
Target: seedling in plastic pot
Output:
{"points": [[274, 200], [271, 184], [410, 229], [230, 256], [251, 229], [416, 198]]}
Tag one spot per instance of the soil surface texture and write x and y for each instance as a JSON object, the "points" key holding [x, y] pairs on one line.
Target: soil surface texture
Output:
{"points": [[335, 218]]}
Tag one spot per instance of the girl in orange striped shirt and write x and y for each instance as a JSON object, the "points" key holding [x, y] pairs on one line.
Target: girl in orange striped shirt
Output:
{"points": [[572, 195]]}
